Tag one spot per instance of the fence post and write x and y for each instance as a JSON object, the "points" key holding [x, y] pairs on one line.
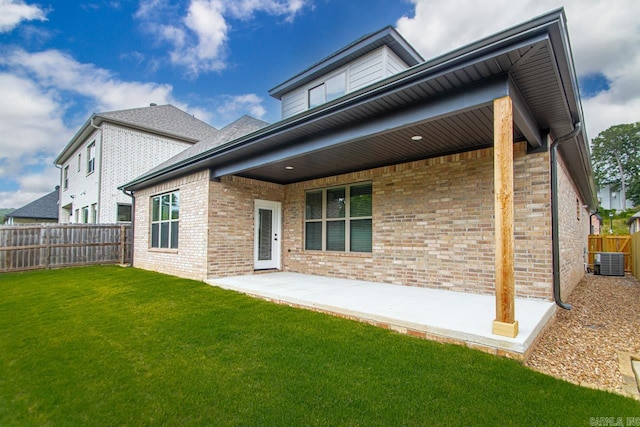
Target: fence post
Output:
{"points": [[123, 242], [47, 247]]}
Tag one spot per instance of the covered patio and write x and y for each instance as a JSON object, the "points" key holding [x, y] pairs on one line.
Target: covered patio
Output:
{"points": [[445, 316]]}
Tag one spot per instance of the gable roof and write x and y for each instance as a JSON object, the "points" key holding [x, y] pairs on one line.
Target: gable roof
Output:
{"points": [[241, 127], [448, 100], [387, 36], [165, 120], [46, 207]]}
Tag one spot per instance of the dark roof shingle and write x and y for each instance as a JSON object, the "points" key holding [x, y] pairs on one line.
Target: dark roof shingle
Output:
{"points": [[163, 118], [46, 207], [243, 126]]}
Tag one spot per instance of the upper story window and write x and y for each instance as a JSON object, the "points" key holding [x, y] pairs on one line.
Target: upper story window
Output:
{"points": [[165, 216], [331, 89], [79, 161], [65, 178], [91, 157]]}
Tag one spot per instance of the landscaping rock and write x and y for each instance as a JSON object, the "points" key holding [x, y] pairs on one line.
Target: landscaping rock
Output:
{"points": [[582, 345]]}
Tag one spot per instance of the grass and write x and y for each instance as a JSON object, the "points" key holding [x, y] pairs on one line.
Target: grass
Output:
{"points": [[114, 346]]}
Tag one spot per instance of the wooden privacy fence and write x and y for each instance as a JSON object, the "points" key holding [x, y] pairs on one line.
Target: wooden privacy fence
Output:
{"points": [[44, 246], [620, 244], [635, 255]]}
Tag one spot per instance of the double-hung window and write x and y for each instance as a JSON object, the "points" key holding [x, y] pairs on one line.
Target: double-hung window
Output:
{"points": [[65, 178], [165, 219], [339, 219], [91, 157]]}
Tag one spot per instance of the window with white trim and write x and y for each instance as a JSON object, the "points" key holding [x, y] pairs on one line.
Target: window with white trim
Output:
{"points": [[329, 90], [123, 212], [339, 219], [85, 215], [165, 219], [65, 178], [91, 157]]}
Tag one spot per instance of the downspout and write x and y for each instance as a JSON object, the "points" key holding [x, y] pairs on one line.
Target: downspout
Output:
{"points": [[133, 220], [60, 190], [555, 240], [98, 168]]}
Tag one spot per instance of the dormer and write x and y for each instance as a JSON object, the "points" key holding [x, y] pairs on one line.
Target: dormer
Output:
{"points": [[369, 59]]}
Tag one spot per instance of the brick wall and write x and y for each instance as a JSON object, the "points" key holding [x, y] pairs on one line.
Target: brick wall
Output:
{"points": [[231, 223], [433, 225], [574, 232], [127, 154], [190, 259]]}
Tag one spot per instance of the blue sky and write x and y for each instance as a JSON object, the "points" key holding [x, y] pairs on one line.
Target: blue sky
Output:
{"points": [[61, 60]]}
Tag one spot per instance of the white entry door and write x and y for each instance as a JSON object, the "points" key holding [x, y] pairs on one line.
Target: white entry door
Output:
{"points": [[267, 235]]}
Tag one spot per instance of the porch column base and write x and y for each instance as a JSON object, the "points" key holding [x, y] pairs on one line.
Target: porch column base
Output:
{"points": [[505, 329]]}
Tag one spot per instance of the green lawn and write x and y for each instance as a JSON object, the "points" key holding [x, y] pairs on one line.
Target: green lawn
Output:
{"points": [[116, 346]]}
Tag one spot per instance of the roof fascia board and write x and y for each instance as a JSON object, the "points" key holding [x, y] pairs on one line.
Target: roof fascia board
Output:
{"points": [[523, 118], [465, 100]]}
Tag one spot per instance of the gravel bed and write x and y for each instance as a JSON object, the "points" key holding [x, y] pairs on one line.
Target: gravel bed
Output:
{"points": [[582, 345]]}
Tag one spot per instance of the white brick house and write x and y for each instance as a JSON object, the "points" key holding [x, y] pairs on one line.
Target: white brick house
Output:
{"points": [[468, 172], [114, 147]]}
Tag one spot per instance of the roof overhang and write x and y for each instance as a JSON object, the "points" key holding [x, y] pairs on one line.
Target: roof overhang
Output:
{"points": [[447, 101]]}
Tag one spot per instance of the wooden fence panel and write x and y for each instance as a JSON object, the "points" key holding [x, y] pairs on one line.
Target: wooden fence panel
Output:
{"points": [[43, 246], [635, 255], [619, 244]]}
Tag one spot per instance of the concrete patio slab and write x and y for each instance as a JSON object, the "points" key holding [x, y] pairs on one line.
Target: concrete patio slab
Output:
{"points": [[430, 313]]}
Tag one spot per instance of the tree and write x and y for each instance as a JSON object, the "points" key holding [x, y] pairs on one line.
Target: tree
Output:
{"points": [[616, 159]]}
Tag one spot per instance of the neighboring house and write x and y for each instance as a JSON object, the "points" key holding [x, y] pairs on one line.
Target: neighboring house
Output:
{"points": [[609, 197], [596, 224], [114, 147], [439, 175], [45, 209], [634, 223]]}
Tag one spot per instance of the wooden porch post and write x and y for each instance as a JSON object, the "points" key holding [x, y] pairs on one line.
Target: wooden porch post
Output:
{"points": [[505, 323]]}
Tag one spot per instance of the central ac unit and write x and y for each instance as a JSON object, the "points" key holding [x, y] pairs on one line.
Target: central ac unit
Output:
{"points": [[609, 264]]}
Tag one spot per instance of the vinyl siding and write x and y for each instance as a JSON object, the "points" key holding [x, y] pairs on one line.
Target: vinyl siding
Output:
{"points": [[366, 70], [374, 66]]}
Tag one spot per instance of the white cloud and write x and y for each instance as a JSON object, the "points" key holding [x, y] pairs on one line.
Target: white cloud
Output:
{"points": [[198, 38], [60, 72], [245, 9], [31, 125], [37, 89], [13, 12], [32, 187], [605, 38], [234, 106]]}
